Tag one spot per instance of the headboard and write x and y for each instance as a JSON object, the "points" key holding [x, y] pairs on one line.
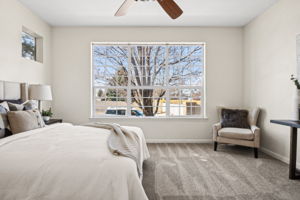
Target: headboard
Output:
{"points": [[13, 91]]}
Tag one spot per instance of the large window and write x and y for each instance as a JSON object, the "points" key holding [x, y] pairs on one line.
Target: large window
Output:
{"points": [[148, 80]]}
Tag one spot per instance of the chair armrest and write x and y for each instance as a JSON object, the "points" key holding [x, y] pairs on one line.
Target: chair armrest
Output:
{"points": [[256, 131], [216, 128]]}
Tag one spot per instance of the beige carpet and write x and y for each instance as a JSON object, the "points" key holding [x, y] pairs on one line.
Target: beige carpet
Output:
{"points": [[196, 172]]}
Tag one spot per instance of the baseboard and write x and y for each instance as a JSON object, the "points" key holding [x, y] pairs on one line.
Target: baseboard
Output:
{"points": [[278, 156], [178, 140]]}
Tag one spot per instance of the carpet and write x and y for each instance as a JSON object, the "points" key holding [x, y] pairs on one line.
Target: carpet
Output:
{"points": [[196, 172]]}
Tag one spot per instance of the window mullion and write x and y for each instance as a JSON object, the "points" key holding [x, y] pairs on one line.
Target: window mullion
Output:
{"points": [[167, 82], [203, 87], [129, 100]]}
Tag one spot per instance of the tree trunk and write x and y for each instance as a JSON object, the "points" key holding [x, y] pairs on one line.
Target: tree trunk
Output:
{"points": [[148, 102]]}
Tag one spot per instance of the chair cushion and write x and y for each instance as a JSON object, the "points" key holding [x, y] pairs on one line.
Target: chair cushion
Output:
{"points": [[236, 133]]}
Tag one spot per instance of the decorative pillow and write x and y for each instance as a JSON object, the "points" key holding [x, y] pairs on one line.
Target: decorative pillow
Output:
{"points": [[234, 118], [4, 125], [39, 118], [15, 107], [21, 121], [30, 105]]}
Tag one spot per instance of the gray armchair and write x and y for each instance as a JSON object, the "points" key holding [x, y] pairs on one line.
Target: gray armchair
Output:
{"points": [[239, 136]]}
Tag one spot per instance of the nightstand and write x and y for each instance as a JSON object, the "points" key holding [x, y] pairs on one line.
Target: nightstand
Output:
{"points": [[53, 121]]}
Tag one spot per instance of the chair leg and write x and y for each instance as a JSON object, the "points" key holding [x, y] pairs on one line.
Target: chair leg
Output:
{"points": [[255, 152], [215, 146]]}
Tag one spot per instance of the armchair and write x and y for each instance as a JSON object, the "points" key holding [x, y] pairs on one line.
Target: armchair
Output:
{"points": [[239, 136]]}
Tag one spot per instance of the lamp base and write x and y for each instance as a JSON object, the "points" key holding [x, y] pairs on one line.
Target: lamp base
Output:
{"points": [[40, 105]]}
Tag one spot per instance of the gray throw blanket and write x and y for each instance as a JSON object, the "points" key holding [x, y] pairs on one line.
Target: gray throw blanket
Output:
{"points": [[122, 142]]}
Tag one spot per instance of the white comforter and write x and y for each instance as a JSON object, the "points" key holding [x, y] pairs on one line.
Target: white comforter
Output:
{"points": [[66, 162]]}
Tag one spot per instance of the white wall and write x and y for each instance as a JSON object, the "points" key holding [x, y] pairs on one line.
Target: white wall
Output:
{"points": [[13, 67], [71, 74], [270, 59], [268, 44]]}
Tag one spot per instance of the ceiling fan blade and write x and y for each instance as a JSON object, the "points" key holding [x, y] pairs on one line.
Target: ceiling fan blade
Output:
{"points": [[124, 7], [171, 8]]}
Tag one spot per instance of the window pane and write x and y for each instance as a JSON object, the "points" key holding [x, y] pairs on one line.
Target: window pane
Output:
{"points": [[110, 55], [137, 111], [147, 99], [110, 76], [185, 64], [110, 65], [193, 110], [185, 75], [175, 111], [182, 54], [28, 46], [148, 65]]}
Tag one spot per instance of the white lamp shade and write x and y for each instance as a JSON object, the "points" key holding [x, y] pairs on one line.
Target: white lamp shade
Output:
{"points": [[40, 92]]}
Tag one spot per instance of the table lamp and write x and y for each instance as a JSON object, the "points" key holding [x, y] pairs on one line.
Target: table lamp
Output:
{"points": [[40, 93]]}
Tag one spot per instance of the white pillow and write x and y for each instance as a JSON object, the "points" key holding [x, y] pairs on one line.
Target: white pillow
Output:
{"points": [[4, 109]]}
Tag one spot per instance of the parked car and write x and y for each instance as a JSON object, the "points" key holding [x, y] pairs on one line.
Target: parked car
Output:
{"points": [[122, 111]]}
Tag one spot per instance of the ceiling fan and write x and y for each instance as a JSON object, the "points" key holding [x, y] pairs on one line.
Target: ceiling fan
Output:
{"points": [[170, 7]]}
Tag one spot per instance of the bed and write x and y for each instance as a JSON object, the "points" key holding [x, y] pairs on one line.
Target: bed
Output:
{"points": [[63, 161]]}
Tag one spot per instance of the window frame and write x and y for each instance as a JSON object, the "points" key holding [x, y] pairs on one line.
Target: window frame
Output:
{"points": [[130, 87], [39, 43]]}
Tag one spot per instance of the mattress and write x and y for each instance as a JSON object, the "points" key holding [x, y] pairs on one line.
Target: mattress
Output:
{"points": [[63, 162]]}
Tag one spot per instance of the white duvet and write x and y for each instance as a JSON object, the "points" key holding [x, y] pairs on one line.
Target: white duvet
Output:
{"points": [[66, 162]]}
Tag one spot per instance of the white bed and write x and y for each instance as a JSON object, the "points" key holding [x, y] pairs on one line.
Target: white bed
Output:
{"points": [[66, 162]]}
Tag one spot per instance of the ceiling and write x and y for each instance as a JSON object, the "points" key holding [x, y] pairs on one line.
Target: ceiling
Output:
{"points": [[101, 12]]}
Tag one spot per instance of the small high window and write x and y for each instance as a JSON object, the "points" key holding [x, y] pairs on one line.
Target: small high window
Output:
{"points": [[28, 46], [32, 46]]}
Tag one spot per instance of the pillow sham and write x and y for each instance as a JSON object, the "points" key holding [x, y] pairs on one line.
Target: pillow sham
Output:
{"points": [[15, 107], [18, 101], [234, 118], [28, 105], [4, 104], [21, 121], [4, 125]]}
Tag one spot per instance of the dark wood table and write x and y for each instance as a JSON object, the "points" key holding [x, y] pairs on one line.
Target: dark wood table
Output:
{"points": [[53, 121], [294, 173]]}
